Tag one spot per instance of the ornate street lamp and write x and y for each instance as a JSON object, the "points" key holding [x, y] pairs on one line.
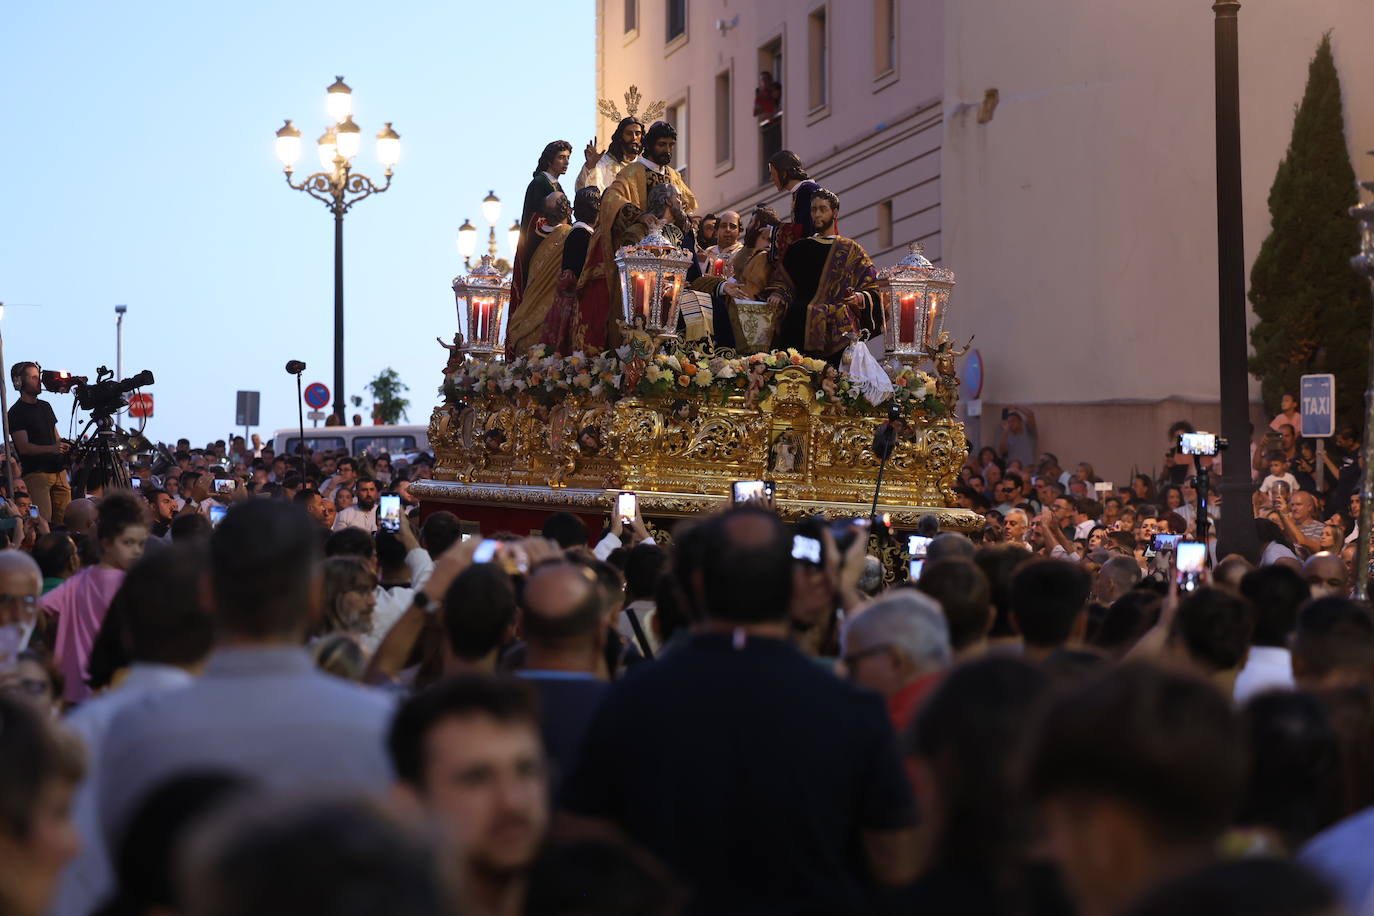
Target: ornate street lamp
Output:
{"points": [[338, 187], [915, 296], [481, 298], [467, 236], [467, 243], [652, 274]]}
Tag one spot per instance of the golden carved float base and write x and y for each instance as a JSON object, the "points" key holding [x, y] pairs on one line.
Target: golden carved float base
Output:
{"points": [[681, 456]]}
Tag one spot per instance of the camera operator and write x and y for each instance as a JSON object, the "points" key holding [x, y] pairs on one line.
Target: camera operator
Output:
{"points": [[42, 453]]}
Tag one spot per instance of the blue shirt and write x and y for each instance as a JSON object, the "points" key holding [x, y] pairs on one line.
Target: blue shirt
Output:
{"points": [[263, 713]]}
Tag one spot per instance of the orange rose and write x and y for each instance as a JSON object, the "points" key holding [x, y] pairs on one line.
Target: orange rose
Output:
{"points": [[684, 381], [796, 360], [536, 378], [690, 368]]}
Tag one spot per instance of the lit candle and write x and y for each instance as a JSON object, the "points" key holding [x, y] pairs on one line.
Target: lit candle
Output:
{"points": [[719, 268], [930, 321], [482, 319], [640, 294], [666, 303], [906, 331]]}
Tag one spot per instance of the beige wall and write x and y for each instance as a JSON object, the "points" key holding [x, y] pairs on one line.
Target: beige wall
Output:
{"points": [[877, 139], [1081, 220]]}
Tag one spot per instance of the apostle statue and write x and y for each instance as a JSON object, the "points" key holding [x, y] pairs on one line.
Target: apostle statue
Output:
{"points": [[602, 168], [553, 162], [788, 174], [720, 257], [564, 330], [622, 221], [828, 286], [548, 239]]}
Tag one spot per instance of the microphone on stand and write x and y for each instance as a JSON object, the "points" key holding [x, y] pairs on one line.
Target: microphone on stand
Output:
{"points": [[296, 367]]}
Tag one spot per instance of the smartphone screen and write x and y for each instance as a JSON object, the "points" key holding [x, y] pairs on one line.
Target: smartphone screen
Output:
{"points": [[389, 513], [806, 549], [224, 485], [33, 512], [916, 546], [136, 482], [217, 514], [485, 551], [742, 491], [914, 572], [1197, 443], [1190, 561], [627, 506], [1165, 542]]}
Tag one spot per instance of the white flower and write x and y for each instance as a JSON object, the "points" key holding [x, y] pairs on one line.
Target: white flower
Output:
{"points": [[521, 384], [727, 371], [920, 393], [703, 378], [623, 352], [653, 373], [675, 363], [615, 380], [582, 380], [597, 389], [505, 384]]}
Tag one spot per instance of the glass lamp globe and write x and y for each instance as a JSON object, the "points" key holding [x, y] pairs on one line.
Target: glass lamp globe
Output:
{"points": [[288, 144], [388, 147], [513, 237], [338, 100], [467, 239], [491, 208], [328, 148], [350, 138]]}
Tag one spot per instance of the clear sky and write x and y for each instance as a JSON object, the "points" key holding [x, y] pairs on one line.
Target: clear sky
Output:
{"points": [[139, 169]]}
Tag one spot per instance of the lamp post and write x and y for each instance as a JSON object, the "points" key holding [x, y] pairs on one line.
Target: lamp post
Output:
{"points": [[467, 236], [119, 341], [339, 188], [1364, 265], [1236, 531]]}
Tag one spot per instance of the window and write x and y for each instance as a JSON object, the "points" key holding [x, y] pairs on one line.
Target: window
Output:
{"points": [[383, 445], [724, 143], [820, 64], [884, 36], [314, 443], [885, 225], [677, 19], [676, 115], [631, 16], [768, 104]]}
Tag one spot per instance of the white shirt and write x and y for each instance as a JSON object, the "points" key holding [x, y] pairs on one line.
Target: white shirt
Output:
{"points": [[89, 878], [1267, 668], [651, 166], [353, 517], [1269, 482], [609, 544], [1273, 552], [644, 613], [601, 174], [392, 602]]}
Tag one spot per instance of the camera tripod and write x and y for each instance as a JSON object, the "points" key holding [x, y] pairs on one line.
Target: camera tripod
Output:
{"points": [[100, 456]]}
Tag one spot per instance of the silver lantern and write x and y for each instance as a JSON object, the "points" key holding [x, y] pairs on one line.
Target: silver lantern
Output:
{"points": [[652, 275], [916, 296], [483, 296]]}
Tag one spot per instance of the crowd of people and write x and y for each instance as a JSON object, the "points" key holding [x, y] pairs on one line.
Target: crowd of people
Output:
{"points": [[240, 687]]}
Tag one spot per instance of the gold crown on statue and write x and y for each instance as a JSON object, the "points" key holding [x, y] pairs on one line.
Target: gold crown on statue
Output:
{"points": [[632, 100]]}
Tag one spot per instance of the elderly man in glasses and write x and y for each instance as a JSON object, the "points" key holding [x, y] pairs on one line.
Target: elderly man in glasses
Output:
{"points": [[21, 583]]}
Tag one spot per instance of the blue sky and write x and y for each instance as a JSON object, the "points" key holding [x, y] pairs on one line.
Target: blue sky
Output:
{"points": [[139, 169]]}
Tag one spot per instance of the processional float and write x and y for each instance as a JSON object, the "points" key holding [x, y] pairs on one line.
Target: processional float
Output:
{"points": [[677, 419]]}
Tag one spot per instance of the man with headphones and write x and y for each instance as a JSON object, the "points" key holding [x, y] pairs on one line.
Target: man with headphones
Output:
{"points": [[42, 453]]}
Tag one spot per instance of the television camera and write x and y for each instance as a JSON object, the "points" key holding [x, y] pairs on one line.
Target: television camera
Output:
{"points": [[99, 460]]}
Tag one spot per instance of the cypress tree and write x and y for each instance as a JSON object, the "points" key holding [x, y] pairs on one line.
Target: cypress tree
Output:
{"points": [[1313, 310]]}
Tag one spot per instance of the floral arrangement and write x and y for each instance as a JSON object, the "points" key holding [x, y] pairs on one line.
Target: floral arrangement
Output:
{"points": [[548, 378]]}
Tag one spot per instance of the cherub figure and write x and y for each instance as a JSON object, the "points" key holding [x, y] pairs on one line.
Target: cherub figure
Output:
{"points": [[455, 355], [641, 344], [829, 379], [757, 378], [946, 370]]}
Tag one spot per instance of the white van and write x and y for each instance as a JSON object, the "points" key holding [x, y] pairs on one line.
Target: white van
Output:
{"points": [[396, 441]]}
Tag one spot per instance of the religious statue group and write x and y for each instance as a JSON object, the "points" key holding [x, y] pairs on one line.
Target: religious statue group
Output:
{"points": [[565, 288]]}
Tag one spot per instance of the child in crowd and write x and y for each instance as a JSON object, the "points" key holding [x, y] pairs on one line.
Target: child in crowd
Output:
{"points": [[1278, 473], [80, 603]]}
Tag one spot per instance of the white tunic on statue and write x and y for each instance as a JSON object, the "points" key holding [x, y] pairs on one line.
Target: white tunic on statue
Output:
{"points": [[602, 174]]}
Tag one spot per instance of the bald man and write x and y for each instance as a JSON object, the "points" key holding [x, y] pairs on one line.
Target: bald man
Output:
{"points": [[80, 517], [720, 257], [1326, 575], [564, 628]]}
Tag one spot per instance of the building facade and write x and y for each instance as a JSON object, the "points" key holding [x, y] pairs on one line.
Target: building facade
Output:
{"points": [[1057, 155]]}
